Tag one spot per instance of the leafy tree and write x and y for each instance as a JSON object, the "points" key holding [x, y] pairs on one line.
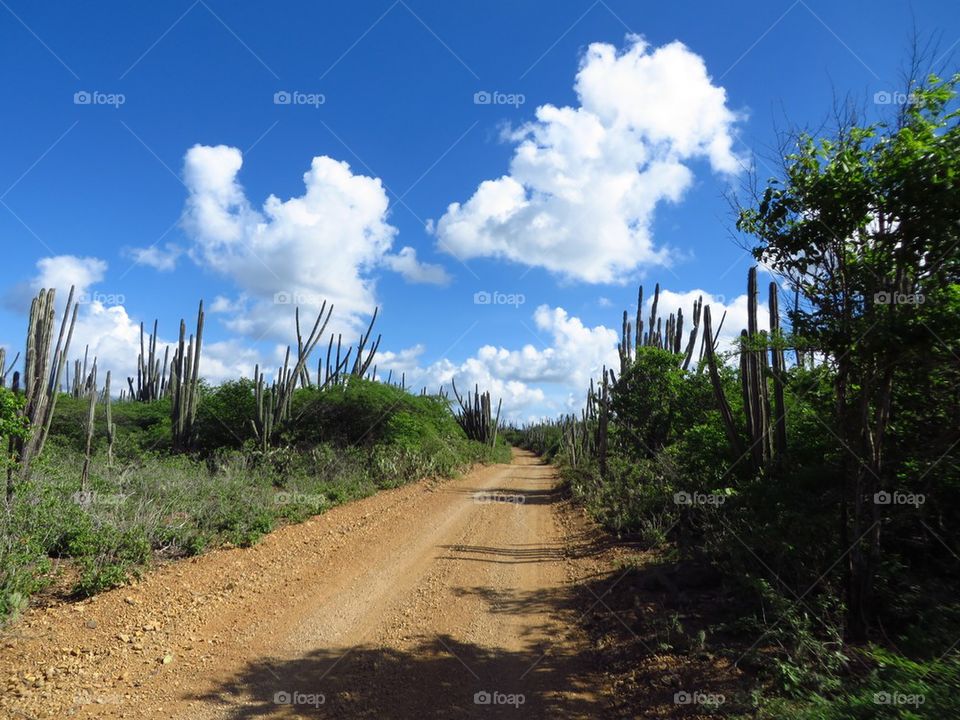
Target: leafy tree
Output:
{"points": [[866, 226], [645, 400]]}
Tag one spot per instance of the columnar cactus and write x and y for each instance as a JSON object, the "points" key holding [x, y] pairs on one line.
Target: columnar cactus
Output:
{"points": [[768, 440], [475, 416], [692, 340], [151, 375], [4, 368], [184, 383], [43, 373], [90, 388], [360, 363], [666, 336], [111, 428], [778, 366], [726, 414], [274, 404], [603, 420], [753, 379], [651, 338], [335, 368]]}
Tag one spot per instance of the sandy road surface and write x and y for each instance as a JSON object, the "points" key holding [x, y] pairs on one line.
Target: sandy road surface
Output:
{"points": [[403, 605]]}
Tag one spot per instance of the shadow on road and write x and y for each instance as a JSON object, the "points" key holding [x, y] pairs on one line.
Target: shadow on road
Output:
{"points": [[511, 496], [437, 677], [577, 547]]}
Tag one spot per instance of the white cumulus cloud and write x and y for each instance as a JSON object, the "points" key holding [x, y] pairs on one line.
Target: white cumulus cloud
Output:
{"points": [[412, 270], [63, 271], [322, 245], [533, 380], [584, 183], [60, 273], [163, 259]]}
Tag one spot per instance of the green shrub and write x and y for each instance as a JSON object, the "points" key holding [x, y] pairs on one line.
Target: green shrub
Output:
{"points": [[225, 416], [140, 427], [24, 565], [365, 413], [895, 689], [646, 401], [542, 439], [113, 557]]}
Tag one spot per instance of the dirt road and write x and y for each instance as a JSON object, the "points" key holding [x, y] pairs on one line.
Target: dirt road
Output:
{"points": [[435, 600]]}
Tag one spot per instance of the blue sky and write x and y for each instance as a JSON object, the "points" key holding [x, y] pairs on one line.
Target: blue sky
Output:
{"points": [[103, 194]]}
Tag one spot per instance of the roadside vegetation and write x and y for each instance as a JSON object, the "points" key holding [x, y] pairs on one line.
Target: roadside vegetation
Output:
{"points": [[99, 485], [813, 469]]}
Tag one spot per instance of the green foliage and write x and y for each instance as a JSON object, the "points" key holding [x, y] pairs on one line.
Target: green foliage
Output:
{"points": [[407, 435], [24, 565], [896, 688], [13, 424], [224, 417], [646, 400], [140, 427], [108, 557], [635, 498], [362, 412], [542, 438]]}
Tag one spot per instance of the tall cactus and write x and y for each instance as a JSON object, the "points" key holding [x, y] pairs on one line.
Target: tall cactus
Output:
{"points": [[659, 334], [360, 363], [650, 339], [768, 439], [476, 417], [692, 340], [111, 428], [603, 421], [753, 379], [624, 348], [90, 388], [151, 375], [80, 384], [335, 369], [274, 404], [43, 373], [726, 414], [778, 366], [184, 383], [4, 368]]}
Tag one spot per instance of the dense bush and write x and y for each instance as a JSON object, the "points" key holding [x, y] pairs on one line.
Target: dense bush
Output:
{"points": [[895, 688], [364, 413], [225, 416], [141, 427]]}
